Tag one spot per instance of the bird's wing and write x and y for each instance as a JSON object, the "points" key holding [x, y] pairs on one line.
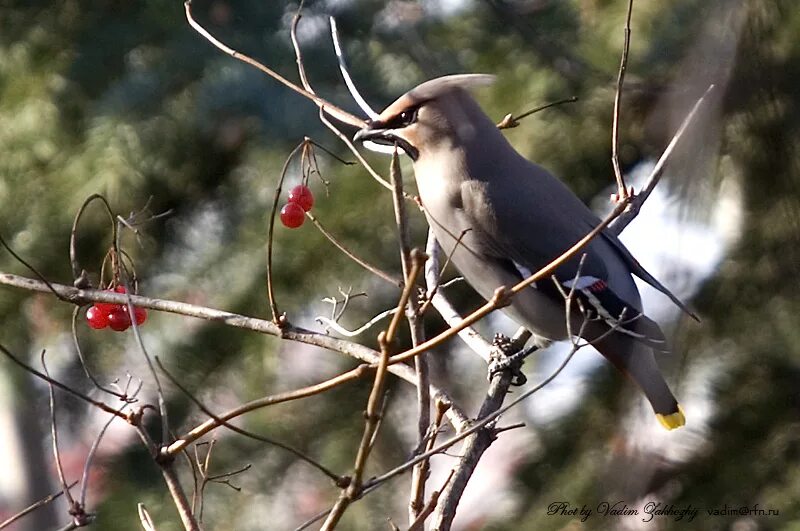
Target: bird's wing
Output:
{"points": [[507, 226], [496, 217], [637, 269]]}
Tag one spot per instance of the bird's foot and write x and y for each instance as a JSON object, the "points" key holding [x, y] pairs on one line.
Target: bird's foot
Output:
{"points": [[505, 357]]}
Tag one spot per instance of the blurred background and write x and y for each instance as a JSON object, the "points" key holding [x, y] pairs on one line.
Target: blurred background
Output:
{"points": [[124, 99]]}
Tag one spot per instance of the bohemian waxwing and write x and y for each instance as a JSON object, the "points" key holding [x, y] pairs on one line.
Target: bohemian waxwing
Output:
{"points": [[512, 218]]}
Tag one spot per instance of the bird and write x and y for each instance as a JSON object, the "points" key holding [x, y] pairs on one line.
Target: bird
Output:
{"points": [[501, 217]]}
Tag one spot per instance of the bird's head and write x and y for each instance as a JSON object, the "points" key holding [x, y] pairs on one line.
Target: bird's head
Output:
{"points": [[435, 113]]}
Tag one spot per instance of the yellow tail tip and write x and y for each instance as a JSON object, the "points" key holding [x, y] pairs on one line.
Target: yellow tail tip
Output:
{"points": [[673, 420]]}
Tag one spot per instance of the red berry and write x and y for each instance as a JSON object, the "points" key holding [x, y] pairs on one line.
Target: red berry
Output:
{"points": [[140, 314], [302, 195], [118, 319], [108, 307], [292, 215], [105, 307], [97, 318]]}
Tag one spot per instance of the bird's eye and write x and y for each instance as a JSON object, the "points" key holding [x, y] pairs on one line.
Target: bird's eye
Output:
{"points": [[408, 117]]}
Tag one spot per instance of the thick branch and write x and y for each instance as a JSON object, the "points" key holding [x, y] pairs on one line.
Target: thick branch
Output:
{"points": [[474, 447]]}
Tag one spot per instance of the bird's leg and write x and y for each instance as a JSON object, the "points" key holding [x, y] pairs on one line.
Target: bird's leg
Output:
{"points": [[508, 356]]}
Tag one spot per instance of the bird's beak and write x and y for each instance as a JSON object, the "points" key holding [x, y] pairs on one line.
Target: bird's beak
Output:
{"points": [[374, 131], [376, 137]]}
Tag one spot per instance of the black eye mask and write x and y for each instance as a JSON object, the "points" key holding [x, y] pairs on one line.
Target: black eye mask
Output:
{"points": [[405, 118]]}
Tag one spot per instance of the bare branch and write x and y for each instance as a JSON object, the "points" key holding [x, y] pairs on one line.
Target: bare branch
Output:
{"points": [[388, 277], [622, 193], [179, 497], [79, 517], [271, 232], [330, 323], [473, 428], [96, 403], [222, 422], [362, 103], [344, 138], [162, 404], [288, 332], [184, 440], [40, 503], [89, 458], [32, 269], [374, 404], [410, 261], [78, 274], [510, 121], [145, 518], [469, 335], [419, 523], [327, 107], [84, 365], [630, 213]]}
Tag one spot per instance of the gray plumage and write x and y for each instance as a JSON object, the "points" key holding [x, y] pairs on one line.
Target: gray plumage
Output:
{"points": [[503, 217]]}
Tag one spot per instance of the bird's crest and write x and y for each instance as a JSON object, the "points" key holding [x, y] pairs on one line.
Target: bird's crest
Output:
{"points": [[434, 88]]}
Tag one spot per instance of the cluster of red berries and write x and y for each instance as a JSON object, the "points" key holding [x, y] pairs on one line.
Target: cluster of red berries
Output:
{"points": [[115, 316], [293, 213]]}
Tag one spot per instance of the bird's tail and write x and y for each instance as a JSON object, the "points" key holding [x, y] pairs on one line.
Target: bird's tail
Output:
{"points": [[638, 362]]}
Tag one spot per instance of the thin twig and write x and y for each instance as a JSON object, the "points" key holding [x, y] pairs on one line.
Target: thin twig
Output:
{"points": [[78, 274], [329, 152], [271, 231], [336, 311], [84, 365], [419, 523], [32, 269], [75, 509], [145, 518], [222, 478], [222, 422], [416, 268], [630, 213], [96, 403], [510, 121], [337, 47], [388, 277], [469, 335], [35, 505], [344, 138], [330, 323], [433, 272], [162, 403], [329, 108], [622, 193], [409, 261], [374, 407], [184, 440], [89, 458]]}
